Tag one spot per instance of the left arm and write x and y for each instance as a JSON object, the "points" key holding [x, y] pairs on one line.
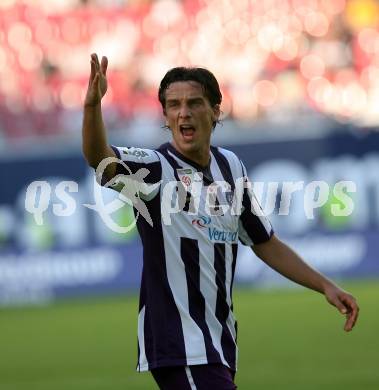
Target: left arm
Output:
{"points": [[284, 260]]}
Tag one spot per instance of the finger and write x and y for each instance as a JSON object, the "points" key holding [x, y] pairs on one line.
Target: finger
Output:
{"points": [[96, 80], [352, 316], [93, 84], [93, 71], [340, 306], [104, 65], [96, 61], [350, 322]]}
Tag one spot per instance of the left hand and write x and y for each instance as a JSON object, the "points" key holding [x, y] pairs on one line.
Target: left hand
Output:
{"points": [[345, 303]]}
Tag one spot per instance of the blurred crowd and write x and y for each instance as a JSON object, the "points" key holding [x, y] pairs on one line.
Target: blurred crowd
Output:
{"points": [[274, 59]]}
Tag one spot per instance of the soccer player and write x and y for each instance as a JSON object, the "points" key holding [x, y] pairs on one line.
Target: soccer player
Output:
{"points": [[186, 327]]}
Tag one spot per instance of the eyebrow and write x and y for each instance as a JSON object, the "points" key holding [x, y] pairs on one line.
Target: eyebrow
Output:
{"points": [[191, 99]]}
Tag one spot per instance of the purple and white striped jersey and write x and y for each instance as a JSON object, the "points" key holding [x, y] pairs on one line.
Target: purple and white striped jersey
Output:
{"points": [[189, 256]]}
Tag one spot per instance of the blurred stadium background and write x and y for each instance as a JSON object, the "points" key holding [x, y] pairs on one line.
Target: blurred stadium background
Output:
{"points": [[300, 80]]}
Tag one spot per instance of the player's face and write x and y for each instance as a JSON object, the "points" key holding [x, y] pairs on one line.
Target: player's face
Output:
{"points": [[190, 117]]}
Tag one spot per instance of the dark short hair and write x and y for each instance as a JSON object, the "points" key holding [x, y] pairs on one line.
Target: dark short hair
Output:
{"points": [[201, 75]]}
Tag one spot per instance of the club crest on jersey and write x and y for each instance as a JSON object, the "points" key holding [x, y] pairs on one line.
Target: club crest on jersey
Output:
{"points": [[185, 176]]}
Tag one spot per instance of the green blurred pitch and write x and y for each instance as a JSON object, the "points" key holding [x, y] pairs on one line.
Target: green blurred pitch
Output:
{"points": [[288, 339]]}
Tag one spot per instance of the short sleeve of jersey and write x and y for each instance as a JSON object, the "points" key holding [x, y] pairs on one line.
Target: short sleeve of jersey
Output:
{"points": [[253, 226], [140, 168]]}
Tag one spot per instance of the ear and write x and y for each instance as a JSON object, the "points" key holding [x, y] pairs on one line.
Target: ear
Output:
{"points": [[165, 116], [166, 122], [216, 112]]}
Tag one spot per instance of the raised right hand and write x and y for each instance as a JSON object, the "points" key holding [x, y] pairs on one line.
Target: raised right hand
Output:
{"points": [[97, 84]]}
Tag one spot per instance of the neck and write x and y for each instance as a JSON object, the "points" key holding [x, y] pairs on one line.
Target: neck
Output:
{"points": [[200, 157]]}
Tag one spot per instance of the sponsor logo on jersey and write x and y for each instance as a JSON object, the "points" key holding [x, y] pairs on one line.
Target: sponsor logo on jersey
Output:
{"points": [[222, 235], [214, 234], [201, 222]]}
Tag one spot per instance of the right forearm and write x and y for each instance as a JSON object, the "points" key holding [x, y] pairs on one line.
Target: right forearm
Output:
{"points": [[95, 144]]}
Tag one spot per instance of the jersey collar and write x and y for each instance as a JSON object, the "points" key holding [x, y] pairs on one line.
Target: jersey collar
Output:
{"points": [[206, 171]]}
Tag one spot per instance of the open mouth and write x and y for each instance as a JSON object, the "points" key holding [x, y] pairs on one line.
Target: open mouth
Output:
{"points": [[187, 131]]}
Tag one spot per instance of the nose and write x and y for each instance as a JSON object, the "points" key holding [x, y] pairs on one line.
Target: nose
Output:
{"points": [[184, 111]]}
